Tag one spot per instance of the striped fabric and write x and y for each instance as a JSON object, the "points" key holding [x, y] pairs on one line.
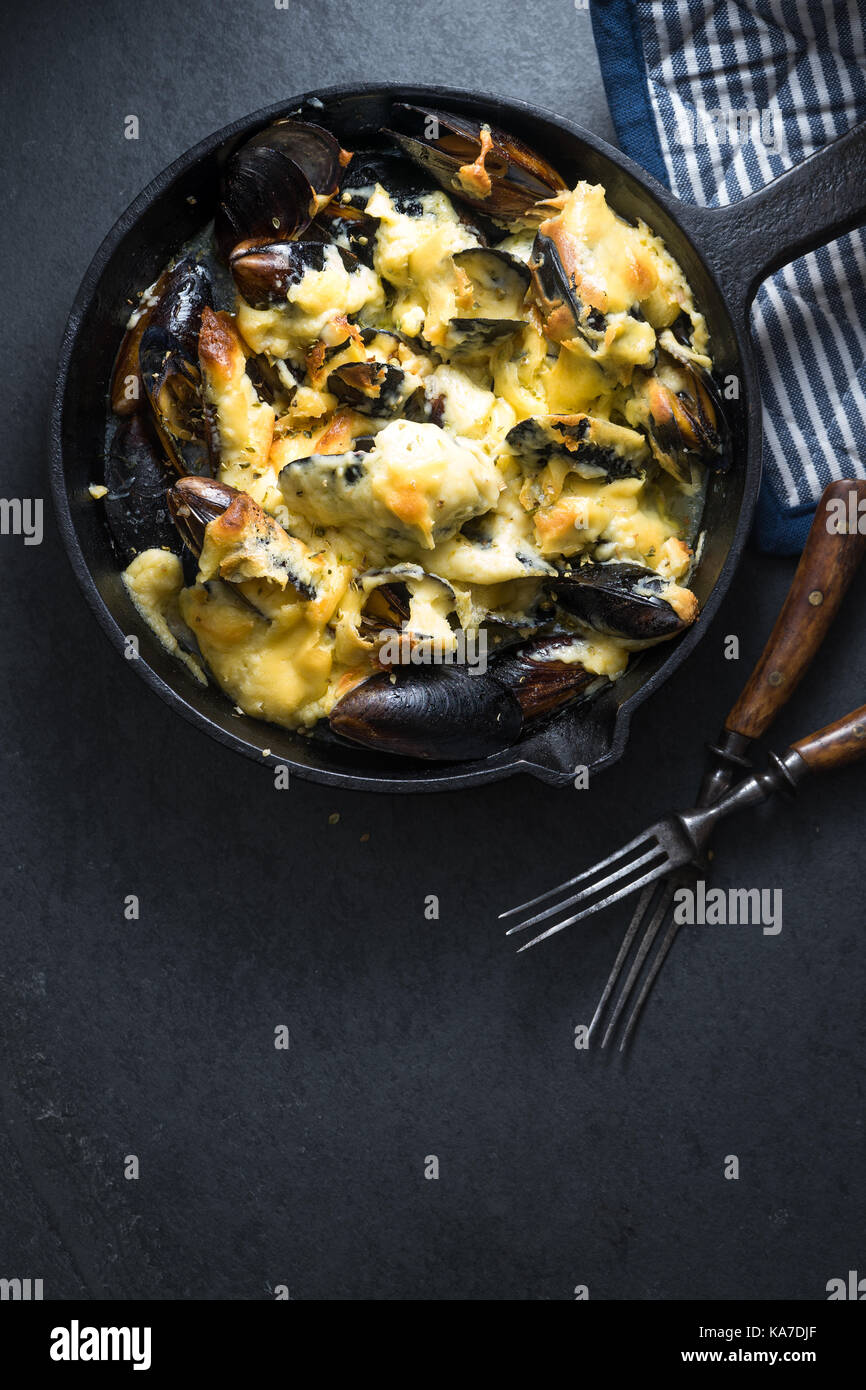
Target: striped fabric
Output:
{"points": [[719, 98]]}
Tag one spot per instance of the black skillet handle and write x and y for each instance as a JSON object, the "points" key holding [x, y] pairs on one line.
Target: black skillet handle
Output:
{"points": [[806, 207]]}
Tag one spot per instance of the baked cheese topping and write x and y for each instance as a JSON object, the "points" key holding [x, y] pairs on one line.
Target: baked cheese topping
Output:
{"points": [[408, 442]]}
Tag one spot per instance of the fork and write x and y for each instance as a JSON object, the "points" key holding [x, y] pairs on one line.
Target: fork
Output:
{"points": [[682, 837], [829, 562]]}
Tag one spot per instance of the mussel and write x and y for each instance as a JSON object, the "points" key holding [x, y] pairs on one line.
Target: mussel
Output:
{"points": [[678, 341], [589, 446], [137, 476], [368, 375], [246, 542], [169, 364], [539, 676], [193, 503], [487, 168], [406, 600], [497, 275], [592, 285], [264, 271], [402, 179], [581, 306], [627, 601], [466, 337], [341, 224], [276, 382], [314, 150], [273, 186], [445, 713], [433, 712], [372, 388], [564, 315], [680, 409], [127, 390], [491, 297], [387, 601]]}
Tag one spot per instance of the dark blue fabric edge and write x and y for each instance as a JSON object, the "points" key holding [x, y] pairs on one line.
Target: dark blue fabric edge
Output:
{"points": [[624, 73], [781, 531]]}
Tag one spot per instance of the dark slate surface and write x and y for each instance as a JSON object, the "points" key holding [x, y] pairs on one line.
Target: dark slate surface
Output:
{"points": [[409, 1038]]}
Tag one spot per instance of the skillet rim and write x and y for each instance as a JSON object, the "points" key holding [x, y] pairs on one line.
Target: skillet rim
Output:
{"points": [[432, 777]]}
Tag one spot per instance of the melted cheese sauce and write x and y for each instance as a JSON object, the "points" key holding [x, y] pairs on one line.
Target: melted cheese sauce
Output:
{"points": [[436, 500], [154, 582]]}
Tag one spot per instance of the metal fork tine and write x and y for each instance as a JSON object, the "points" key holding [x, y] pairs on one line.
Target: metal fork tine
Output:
{"points": [[648, 983], [649, 877], [649, 937], [646, 897], [578, 878], [616, 877]]}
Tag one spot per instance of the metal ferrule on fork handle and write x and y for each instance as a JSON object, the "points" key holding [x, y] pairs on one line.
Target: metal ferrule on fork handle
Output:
{"points": [[728, 758], [784, 774]]}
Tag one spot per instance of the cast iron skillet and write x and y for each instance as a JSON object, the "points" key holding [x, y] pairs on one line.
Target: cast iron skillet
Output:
{"points": [[725, 253]]}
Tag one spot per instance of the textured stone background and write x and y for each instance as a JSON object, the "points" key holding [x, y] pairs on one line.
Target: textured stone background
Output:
{"points": [[408, 1037]]}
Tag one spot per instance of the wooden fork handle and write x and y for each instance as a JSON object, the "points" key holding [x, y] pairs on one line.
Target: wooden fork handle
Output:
{"points": [[835, 746], [827, 566]]}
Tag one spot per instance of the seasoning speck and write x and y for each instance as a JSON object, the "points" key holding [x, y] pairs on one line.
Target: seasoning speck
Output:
{"points": [[333, 817]]}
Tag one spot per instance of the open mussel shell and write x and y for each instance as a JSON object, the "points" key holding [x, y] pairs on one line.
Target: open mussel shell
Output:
{"points": [[626, 600], [688, 425], [371, 388], [179, 308], [263, 195], [348, 227], [539, 676], [563, 313], [137, 476], [169, 367], [265, 270], [127, 389], [275, 382], [438, 713], [314, 150], [499, 282], [496, 273], [487, 168], [468, 336], [402, 179], [171, 383], [678, 342], [386, 607], [275, 183], [194, 503], [253, 544], [590, 446], [389, 596]]}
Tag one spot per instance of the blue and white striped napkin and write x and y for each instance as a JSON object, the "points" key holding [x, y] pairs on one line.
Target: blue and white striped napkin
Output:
{"points": [[716, 99]]}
